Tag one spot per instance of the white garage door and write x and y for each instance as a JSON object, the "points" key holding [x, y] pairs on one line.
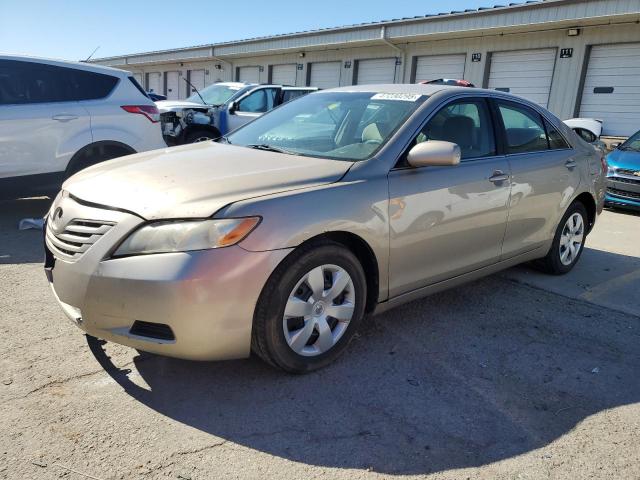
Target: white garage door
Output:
{"points": [[379, 70], [283, 74], [249, 74], [173, 85], [155, 83], [433, 67], [138, 77], [612, 88], [325, 74], [197, 80], [527, 73]]}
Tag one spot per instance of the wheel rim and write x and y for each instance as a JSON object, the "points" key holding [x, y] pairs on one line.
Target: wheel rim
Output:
{"points": [[571, 239], [319, 310]]}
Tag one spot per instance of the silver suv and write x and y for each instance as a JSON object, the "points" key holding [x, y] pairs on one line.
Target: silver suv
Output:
{"points": [[342, 203]]}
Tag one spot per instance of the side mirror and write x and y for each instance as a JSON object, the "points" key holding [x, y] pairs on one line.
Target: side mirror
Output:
{"points": [[434, 153], [233, 106]]}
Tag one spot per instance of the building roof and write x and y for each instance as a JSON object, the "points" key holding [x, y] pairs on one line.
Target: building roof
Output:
{"points": [[497, 16]]}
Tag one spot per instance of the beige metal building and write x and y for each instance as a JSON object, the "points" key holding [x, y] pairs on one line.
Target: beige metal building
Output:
{"points": [[576, 57]]}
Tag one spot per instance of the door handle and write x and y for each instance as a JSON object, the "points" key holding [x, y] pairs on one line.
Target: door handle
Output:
{"points": [[64, 117], [570, 164], [498, 176]]}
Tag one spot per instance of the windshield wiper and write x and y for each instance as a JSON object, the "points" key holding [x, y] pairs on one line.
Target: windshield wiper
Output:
{"points": [[269, 148]]}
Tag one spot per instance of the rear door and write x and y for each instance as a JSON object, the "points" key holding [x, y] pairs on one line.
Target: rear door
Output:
{"points": [[447, 221], [42, 124], [545, 176]]}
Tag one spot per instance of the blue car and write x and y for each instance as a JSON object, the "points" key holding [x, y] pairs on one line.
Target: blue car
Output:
{"points": [[623, 175]]}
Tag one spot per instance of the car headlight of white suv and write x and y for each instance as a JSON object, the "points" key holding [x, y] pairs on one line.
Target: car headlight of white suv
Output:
{"points": [[186, 235]]}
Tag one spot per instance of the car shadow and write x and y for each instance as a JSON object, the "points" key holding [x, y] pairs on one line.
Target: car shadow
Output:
{"points": [[464, 378], [21, 246]]}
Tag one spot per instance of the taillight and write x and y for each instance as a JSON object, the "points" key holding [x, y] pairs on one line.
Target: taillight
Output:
{"points": [[149, 111]]}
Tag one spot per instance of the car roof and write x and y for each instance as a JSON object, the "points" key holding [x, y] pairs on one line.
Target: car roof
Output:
{"points": [[89, 67]]}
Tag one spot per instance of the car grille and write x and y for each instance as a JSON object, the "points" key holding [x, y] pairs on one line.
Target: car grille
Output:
{"points": [[76, 237], [624, 180], [625, 171], [623, 193]]}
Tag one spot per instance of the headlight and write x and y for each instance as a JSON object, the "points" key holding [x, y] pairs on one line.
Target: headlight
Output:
{"points": [[184, 236], [611, 171]]}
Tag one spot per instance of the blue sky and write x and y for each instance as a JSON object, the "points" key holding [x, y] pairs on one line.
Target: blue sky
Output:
{"points": [[71, 29]]}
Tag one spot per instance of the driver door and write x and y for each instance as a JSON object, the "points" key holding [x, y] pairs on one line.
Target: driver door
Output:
{"points": [[252, 105], [447, 221]]}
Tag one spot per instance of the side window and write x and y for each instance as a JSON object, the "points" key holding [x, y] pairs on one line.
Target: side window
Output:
{"points": [[524, 128], [556, 140], [466, 123], [91, 85], [259, 101], [28, 82]]}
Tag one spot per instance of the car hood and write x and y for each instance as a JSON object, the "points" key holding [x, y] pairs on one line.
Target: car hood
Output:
{"points": [[195, 181], [626, 159], [173, 105]]}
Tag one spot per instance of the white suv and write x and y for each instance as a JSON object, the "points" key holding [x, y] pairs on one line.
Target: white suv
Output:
{"points": [[57, 118]]}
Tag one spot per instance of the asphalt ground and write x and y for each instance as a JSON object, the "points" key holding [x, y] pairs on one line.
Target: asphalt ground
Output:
{"points": [[516, 376]]}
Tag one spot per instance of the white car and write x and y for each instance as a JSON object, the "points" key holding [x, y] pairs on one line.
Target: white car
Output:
{"points": [[57, 118]]}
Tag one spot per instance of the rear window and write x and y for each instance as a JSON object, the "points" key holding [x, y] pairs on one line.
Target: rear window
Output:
{"points": [[29, 82]]}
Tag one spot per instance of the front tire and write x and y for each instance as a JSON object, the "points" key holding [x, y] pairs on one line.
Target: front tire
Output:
{"points": [[568, 242], [310, 308]]}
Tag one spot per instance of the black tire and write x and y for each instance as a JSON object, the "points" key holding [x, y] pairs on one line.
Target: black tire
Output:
{"points": [[551, 263], [196, 136], [268, 338], [87, 160]]}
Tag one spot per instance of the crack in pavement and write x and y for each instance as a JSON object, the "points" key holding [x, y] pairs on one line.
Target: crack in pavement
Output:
{"points": [[62, 382]]}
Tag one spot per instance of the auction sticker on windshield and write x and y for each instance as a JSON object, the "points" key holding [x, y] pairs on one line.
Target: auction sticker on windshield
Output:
{"points": [[403, 97]]}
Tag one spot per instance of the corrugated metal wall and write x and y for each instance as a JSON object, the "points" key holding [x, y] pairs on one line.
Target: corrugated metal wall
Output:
{"points": [[350, 46]]}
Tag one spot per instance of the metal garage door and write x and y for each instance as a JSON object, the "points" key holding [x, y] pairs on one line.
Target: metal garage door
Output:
{"points": [[138, 77], [155, 84], [283, 74], [612, 88], [379, 70], [173, 85], [249, 74], [197, 80], [433, 67], [527, 73], [325, 74]]}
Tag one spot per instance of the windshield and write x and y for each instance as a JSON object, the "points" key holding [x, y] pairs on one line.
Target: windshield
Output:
{"points": [[632, 143], [215, 94], [337, 125]]}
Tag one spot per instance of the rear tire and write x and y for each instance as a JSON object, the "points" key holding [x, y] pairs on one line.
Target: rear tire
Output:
{"points": [[568, 242], [292, 329]]}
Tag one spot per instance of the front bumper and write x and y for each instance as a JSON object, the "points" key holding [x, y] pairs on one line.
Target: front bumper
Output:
{"points": [[623, 191], [205, 298]]}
